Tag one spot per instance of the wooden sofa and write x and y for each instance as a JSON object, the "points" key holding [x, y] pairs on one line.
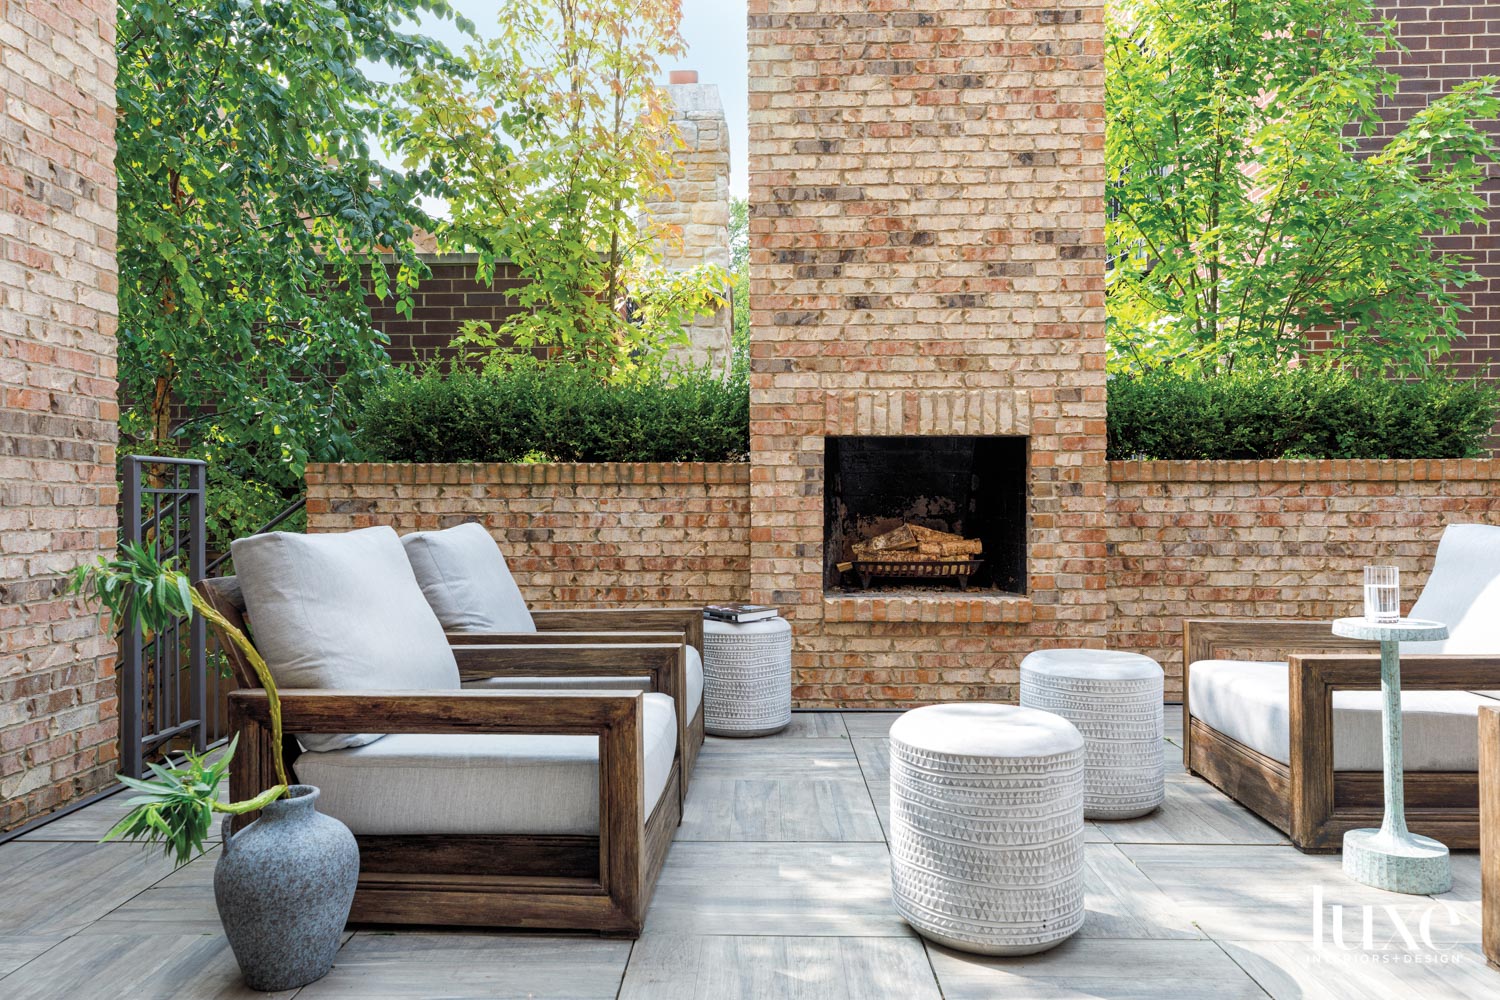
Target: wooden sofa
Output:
{"points": [[601, 882], [1296, 786]]}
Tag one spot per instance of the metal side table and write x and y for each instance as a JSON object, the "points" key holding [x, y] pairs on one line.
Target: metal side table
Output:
{"points": [[1392, 857]]}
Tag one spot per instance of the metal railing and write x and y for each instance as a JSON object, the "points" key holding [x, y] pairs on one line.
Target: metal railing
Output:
{"points": [[173, 685], [164, 687]]}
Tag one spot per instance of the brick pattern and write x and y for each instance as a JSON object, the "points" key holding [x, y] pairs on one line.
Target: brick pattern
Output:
{"points": [[927, 188], [696, 208], [1273, 539], [1451, 42], [58, 703], [442, 304], [574, 535], [907, 412]]}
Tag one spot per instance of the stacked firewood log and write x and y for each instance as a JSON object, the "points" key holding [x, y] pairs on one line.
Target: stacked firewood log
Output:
{"points": [[914, 543]]}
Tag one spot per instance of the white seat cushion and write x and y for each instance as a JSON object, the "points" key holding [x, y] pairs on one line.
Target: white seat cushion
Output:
{"points": [[1247, 701], [341, 611], [465, 579], [409, 784], [694, 683]]}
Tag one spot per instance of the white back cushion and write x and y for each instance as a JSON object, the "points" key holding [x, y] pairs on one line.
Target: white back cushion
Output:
{"points": [[465, 579], [341, 611], [1463, 592]]}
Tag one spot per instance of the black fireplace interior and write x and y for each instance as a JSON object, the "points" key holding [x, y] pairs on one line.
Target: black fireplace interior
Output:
{"points": [[970, 486]]}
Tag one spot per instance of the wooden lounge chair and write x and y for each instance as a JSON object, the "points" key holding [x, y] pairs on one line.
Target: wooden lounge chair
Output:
{"points": [[1297, 741], [512, 808], [1489, 831], [467, 582]]}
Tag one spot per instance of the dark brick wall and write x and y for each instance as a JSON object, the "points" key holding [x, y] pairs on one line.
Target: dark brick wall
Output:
{"points": [[1450, 42], [443, 303]]}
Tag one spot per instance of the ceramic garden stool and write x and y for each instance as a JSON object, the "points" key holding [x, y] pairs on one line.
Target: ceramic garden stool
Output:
{"points": [[747, 677], [1115, 700], [986, 827]]}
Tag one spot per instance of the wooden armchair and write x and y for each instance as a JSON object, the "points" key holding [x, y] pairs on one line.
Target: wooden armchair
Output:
{"points": [[680, 627], [1489, 831], [1305, 798], [601, 882]]}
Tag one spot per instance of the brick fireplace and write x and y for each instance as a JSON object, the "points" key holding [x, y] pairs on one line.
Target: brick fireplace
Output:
{"points": [[927, 269]]}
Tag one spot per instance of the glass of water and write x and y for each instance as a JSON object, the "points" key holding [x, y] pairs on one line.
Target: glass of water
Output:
{"points": [[1382, 595]]}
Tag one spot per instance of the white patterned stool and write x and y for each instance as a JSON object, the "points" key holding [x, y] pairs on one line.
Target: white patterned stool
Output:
{"points": [[987, 827], [1114, 699], [747, 677]]}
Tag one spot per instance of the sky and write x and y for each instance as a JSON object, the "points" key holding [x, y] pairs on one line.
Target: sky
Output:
{"points": [[715, 34]]}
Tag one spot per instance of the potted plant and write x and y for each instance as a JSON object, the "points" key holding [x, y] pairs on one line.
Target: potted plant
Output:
{"points": [[285, 883]]}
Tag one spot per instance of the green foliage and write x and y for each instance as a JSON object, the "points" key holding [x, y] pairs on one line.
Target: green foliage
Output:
{"points": [[1317, 411], [1250, 202], [238, 506], [175, 808], [556, 413], [136, 587], [739, 269], [251, 207], [548, 161]]}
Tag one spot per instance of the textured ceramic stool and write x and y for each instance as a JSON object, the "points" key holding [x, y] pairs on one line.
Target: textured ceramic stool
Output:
{"points": [[1115, 701], [987, 827], [747, 677]]}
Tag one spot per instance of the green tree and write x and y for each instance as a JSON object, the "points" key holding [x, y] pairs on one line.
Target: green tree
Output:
{"points": [[251, 203], [548, 161], [739, 269], [1250, 202]]}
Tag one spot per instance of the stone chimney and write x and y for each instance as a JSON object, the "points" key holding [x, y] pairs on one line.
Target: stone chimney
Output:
{"points": [[697, 205]]}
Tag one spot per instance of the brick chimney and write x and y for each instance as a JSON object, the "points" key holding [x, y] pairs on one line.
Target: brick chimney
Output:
{"points": [[697, 205]]}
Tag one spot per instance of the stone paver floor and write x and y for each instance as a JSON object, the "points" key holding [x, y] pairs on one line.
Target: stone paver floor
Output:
{"points": [[777, 886]]}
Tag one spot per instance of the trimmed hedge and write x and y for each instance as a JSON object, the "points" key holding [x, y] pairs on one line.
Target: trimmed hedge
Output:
{"points": [[1311, 412], [556, 413]]}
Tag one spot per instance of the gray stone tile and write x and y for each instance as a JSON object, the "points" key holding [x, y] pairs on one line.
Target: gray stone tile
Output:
{"points": [[413, 965], [140, 967], [666, 966], [1102, 968], [60, 888], [869, 725], [821, 890]]}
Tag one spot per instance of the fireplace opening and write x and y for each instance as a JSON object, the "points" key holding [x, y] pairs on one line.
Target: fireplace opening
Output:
{"points": [[906, 513]]}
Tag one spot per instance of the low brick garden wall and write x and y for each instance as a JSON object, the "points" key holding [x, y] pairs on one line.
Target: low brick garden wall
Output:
{"points": [[574, 535], [1281, 539], [1274, 539]]}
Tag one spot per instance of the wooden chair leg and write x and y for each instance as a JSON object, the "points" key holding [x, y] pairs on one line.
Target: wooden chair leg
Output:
{"points": [[1489, 830]]}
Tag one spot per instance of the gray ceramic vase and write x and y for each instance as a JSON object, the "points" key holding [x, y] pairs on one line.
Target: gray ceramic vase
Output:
{"points": [[284, 885]]}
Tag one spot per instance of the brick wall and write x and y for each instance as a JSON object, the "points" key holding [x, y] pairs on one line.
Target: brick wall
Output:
{"points": [[57, 385], [443, 303], [696, 206], [926, 240], [574, 535], [1279, 539], [1273, 539], [1450, 42]]}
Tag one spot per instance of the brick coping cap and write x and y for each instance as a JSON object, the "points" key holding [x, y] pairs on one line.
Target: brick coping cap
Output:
{"points": [[462, 473], [1309, 470]]}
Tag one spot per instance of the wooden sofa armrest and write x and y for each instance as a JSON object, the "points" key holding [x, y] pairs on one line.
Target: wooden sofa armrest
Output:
{"points": [[616, 718], [1202, 638], [1311, 682], [665, 663], [689, 621], [1489, 832], [561, 638]]}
